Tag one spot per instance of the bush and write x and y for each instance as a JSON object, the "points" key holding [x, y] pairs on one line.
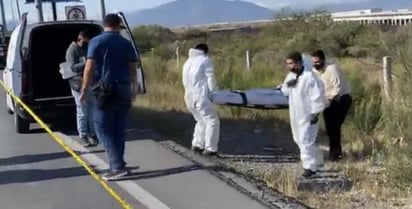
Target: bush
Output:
{"points": [[399, 168], [367, 109]]}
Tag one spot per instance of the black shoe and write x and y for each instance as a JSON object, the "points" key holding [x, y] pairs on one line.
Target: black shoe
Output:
{"points": [[308, 173], [94, 141], [115, 175], [197, 149], [85, 142], [320, 168], [209, 153], [335, 157]]}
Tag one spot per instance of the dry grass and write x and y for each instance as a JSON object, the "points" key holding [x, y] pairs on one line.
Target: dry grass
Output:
{"points": [[377, 132], [365, 135]]}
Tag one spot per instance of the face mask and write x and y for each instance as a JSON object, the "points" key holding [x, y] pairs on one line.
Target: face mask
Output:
{"points": [[319, 66], [293, 82], [297, 70], [85, 45]]}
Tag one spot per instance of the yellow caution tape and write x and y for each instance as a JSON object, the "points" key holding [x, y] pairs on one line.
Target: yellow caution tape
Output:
{"points": [[78, 159]]}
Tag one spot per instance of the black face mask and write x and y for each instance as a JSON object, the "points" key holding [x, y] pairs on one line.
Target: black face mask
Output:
{"points": [[319, 66], [85, 45], [293, 82], [298, 71]]}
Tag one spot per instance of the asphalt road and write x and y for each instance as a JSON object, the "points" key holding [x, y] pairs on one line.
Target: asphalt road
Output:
{"points": [[36, 173]]}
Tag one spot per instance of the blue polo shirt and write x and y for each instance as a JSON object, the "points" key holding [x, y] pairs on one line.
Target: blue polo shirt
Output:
{"points": [[112, 54]]}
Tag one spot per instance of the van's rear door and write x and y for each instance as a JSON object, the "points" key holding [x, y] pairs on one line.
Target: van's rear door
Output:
{"points": [[126, 32], [12, 71], [21, 85]]}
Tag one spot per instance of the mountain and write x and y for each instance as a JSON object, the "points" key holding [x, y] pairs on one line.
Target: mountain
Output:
{"points": [[191, 12]]}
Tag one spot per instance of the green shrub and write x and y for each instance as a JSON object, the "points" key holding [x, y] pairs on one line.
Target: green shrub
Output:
{"points": [[367, 109]]}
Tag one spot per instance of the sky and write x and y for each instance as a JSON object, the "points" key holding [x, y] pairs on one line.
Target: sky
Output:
{"points": [[93, 6]]}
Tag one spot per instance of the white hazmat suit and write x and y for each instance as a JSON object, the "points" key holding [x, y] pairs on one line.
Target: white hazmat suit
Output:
{"points": [[199, 84], [306, 99]]}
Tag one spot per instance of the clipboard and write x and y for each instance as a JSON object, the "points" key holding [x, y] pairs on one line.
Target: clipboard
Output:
{"points": [[66, 71]]}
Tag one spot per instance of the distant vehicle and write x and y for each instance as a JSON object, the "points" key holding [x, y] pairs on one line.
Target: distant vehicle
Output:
{"points": [[32, 68]]}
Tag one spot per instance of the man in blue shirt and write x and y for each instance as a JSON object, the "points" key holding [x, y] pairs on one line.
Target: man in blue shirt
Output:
{"points": [[111, 73]]}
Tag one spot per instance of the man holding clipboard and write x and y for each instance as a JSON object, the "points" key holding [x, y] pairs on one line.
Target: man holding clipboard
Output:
{"points": [[72, 70]]}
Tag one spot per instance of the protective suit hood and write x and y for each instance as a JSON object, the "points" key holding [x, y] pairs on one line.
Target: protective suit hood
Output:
{"points": [[195, 53], [198, 78]]}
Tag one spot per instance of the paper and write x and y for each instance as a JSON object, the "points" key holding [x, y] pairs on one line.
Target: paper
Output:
{"points": [[66, 71]]}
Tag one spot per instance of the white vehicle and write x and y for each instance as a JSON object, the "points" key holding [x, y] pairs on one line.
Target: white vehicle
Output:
{"points": [[32, 69]]}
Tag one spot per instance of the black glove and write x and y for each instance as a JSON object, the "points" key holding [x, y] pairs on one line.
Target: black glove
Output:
{"points": [[292, 82], [336, 98], [314, 118]]}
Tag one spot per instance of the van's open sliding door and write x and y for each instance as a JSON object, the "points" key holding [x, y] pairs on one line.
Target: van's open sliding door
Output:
{"points": [[127, 33]]}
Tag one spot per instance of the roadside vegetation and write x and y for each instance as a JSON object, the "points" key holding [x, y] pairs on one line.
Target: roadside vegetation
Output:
{"points": [[377, 133]]}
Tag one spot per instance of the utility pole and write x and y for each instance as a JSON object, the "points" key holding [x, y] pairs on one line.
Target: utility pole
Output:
{"points": [[102, 4], [3, 17], [39, 7]]}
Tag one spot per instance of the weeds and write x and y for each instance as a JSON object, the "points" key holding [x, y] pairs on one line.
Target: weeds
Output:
{"points": [[377, 132]]}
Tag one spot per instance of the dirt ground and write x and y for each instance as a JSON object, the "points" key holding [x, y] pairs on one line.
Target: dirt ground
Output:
{"points": [[264, 150]]}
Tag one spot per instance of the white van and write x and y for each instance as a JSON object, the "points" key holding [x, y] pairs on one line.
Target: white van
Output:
{"points": [[32, 69]]}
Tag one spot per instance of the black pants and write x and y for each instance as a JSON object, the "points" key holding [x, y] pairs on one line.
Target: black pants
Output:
{"points": [[334, 116]]}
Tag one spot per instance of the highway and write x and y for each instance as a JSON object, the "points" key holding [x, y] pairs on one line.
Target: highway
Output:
{"points": [[36, 173]]}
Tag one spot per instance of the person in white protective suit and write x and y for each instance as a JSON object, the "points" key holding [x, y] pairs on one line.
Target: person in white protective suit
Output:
{"points": [[306, 101], [199, 84]]}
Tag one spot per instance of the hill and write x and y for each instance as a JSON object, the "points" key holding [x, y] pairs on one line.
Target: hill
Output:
{"points": [[191, 12]]}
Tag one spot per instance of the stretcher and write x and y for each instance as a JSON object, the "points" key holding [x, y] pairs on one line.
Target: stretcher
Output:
{"points": [[253, 98]]}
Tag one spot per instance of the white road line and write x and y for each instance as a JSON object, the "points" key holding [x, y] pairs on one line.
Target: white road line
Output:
{"points": [[129, 186]]}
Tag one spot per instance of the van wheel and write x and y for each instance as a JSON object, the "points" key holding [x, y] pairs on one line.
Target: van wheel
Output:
{"points": [[22, 125]]}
